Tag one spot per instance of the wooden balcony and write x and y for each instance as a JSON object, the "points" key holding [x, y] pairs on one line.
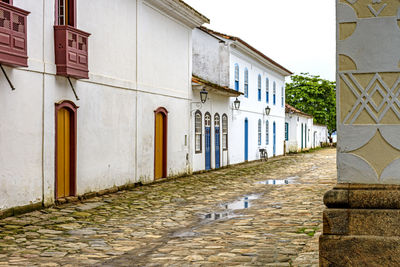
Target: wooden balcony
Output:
{"points": [[13, 40], [71, 51]]}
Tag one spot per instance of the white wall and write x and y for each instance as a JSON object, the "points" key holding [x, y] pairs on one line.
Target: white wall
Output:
{"points": [[215, 104], [321, 134], [210, 58], [253, 110], [115, 118], [295, 132]]}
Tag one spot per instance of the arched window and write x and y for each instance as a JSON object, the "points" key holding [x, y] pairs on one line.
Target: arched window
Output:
{"points": [[259, 132], [259, 87], [282, 95], [246, 82], [224, 132], [267, 133], [274, 94], [236, 77], [216, 120], [197, 131], [207, 120], [267, 90]]}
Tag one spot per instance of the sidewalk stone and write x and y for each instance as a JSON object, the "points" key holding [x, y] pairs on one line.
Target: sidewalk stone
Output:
{"points": [[163, 224]]}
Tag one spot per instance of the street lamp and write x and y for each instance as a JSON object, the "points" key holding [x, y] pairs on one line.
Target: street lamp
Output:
{"points": [[236, 104], [267, 110], [203, 95]]}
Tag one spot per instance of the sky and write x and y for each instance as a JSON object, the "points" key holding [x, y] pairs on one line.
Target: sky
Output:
{"points": [[299, 35]]}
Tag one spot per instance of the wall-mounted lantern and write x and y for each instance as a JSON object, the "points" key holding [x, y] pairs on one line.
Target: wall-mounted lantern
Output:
{"points": [[236, 104], [267, 110], [203, 95]]}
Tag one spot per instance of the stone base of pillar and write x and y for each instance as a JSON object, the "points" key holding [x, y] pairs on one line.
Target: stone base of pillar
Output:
{"points": [[361, 226]]}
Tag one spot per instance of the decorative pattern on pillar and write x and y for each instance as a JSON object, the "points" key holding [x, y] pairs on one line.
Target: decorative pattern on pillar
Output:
{"points": [[368, 70]]}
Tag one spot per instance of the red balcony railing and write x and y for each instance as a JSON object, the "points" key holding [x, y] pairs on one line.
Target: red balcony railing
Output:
{"points": [[13, 41], [71, 48]]}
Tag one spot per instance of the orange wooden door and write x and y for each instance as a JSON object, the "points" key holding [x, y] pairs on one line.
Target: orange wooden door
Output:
{"points": [[63, 153], [159, 147]]}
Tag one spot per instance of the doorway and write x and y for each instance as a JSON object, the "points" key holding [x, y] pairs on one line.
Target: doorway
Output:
{"points": [[274, 134], [207, 131], [160, 143], [65, 149], [217, 141], [246, 139]]}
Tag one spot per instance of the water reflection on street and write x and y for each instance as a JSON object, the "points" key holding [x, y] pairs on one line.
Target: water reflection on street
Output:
{"points": [[243, 203]]}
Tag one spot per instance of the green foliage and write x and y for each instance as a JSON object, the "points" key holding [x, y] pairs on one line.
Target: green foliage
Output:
{"points": [[315, 96]]}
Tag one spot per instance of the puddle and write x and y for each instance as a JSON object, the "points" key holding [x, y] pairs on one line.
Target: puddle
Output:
{"points": [[243, 203], [287, 180], [274, 182]]}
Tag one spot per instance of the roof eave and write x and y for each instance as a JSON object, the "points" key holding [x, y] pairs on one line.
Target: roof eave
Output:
{"points": [[180, 11], [244, 47]]}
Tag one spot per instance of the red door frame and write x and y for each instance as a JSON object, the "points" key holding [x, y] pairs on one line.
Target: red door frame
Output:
{"points": [[164, 112], [73, 109]]}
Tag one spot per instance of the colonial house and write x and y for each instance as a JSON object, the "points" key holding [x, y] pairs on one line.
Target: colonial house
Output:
{"points": [[89, 104], [212, 117], [300, 131], [260, 120]]}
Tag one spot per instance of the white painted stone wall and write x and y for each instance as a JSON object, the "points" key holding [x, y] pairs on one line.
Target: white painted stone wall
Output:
{"points": [[253, 110], [216, 103], [131, 75], [210, 58], [295, 132], [321, 134], [210, 62]]}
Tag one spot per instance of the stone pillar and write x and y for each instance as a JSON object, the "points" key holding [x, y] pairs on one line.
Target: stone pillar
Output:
{"points": [[362, 219]]}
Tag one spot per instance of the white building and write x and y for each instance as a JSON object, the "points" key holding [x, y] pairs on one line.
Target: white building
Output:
{"points": [[232, 63], [132, 120], [320, 135], [211, 121], [300, 131]]}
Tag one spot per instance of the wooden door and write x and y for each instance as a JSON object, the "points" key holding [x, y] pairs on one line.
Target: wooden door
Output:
{"points": [[64, 179], [159, 146]]}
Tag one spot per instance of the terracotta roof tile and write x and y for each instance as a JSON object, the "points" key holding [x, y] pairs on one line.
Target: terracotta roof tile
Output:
{"points": [[198, 80], [290, 109]]}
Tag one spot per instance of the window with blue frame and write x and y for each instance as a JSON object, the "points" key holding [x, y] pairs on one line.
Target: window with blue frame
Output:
{"points": [[274, 94], [282, 96], [286, 131], [246, 82], [236, 77], [267, 90], [267, 133], [259, 87], [259, 132]]}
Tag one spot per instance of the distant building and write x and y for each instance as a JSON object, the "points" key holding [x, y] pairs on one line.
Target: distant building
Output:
{"points": [[232, 63], [300, 131]]}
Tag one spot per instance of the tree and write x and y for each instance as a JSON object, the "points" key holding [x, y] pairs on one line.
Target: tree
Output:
{"points": [[315, 96]]}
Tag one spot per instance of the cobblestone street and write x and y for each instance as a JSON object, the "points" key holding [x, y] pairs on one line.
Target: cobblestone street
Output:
{"points": [[229, 217]]}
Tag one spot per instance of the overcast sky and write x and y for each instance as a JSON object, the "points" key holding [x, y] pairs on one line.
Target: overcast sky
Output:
{"points": [[299, 35]]}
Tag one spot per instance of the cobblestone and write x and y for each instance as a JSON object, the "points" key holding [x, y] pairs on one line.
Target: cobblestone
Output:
{"points": [[163, 224]]}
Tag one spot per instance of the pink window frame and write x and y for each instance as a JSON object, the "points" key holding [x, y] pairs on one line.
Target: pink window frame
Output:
{"points": [[56, 12]]}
